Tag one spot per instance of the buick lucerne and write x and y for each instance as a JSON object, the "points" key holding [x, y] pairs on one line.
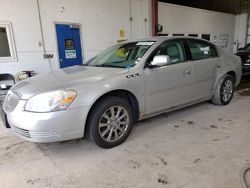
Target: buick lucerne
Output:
{"points": [[127, 82]]}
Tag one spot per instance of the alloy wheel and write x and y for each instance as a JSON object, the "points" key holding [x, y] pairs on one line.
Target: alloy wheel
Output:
{"points": [[113, 123], [227, 90]]}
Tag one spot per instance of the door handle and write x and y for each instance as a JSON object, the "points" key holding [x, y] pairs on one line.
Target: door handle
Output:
{"points": [[186, 72]]}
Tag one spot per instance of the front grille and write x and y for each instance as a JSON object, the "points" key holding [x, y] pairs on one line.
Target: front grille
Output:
{"points": [[21, 132], [11, 101]]}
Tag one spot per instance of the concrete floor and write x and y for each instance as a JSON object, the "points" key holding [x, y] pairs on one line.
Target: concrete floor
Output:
{"points": [[200, 146]]}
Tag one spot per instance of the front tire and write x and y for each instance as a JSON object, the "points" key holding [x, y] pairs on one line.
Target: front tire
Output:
{"points": [[110, 122], [224, 90]]}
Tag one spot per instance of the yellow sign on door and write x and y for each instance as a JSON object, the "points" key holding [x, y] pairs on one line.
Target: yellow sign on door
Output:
{"points": [[122, 33]]}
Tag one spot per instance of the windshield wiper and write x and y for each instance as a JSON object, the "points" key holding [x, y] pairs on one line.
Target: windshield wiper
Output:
{"points": [[105, 65]]}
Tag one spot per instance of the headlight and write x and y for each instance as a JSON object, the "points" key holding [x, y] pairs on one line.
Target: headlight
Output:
{"points": [[50, 101]]}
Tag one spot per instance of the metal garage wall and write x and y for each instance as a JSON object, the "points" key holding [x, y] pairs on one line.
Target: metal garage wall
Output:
{"points": [[186, 20], [100, 20]]}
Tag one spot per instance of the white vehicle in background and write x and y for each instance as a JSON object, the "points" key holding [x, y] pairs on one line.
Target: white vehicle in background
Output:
{"points": [[125, 83]]}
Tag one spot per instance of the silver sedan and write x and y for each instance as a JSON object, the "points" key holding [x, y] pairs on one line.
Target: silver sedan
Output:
{"points": [[125, 83]]}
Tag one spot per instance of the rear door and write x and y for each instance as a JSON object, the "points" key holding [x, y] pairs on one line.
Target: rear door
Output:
{"points": [[206, 63], [172, 85]]}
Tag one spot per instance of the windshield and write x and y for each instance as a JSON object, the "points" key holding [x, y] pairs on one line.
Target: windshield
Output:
{"points": [[121, 55]]}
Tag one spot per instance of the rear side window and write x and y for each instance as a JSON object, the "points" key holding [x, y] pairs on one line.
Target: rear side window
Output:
{"points": [[201, 50]]}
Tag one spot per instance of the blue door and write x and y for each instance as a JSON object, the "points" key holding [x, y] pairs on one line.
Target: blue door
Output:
{"points": [[69, 45]]}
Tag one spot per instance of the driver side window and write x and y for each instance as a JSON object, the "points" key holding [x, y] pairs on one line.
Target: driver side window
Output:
{"points": [[174, 49]]}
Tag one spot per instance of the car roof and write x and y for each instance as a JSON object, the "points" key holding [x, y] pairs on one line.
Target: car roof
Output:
{"points": [[163, 38]]}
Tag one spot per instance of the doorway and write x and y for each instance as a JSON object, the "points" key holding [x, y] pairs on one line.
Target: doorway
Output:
{"points": [[69, 45]]}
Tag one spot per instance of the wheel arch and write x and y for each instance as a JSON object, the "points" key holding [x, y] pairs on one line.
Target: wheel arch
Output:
{"points": [[220, 76], [125, 94], [233, 74]]}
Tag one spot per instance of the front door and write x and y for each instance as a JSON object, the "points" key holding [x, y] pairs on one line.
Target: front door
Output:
{"points": [[69, 45], [171, 85]]}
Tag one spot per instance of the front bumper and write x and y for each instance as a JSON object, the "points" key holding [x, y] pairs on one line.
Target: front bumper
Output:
{"points": [[47, 127]]}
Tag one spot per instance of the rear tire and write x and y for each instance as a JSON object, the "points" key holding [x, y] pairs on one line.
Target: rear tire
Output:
{"points": [[110, 122], [224, 90]]}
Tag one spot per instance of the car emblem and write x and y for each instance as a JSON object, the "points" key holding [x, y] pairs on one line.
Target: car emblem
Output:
{"points": [[133, 75]]}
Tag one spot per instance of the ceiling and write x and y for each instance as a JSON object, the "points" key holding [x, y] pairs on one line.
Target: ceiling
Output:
{"points": [[228, 6]]}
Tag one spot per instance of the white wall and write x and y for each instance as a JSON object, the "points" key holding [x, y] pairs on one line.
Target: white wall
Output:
{"points": [[100, 22], [24, 18], [240, 31], [181, 19]]}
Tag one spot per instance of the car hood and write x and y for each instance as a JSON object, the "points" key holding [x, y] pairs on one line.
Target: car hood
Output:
{"points": [[63, 79]]}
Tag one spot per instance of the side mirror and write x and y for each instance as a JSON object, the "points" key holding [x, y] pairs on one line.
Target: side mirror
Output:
{"points": [[160, 60]]}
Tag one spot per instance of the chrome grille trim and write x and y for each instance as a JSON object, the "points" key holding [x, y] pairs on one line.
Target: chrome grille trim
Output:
{"points": [[21, 132], [43, 134], [34, 134]]}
